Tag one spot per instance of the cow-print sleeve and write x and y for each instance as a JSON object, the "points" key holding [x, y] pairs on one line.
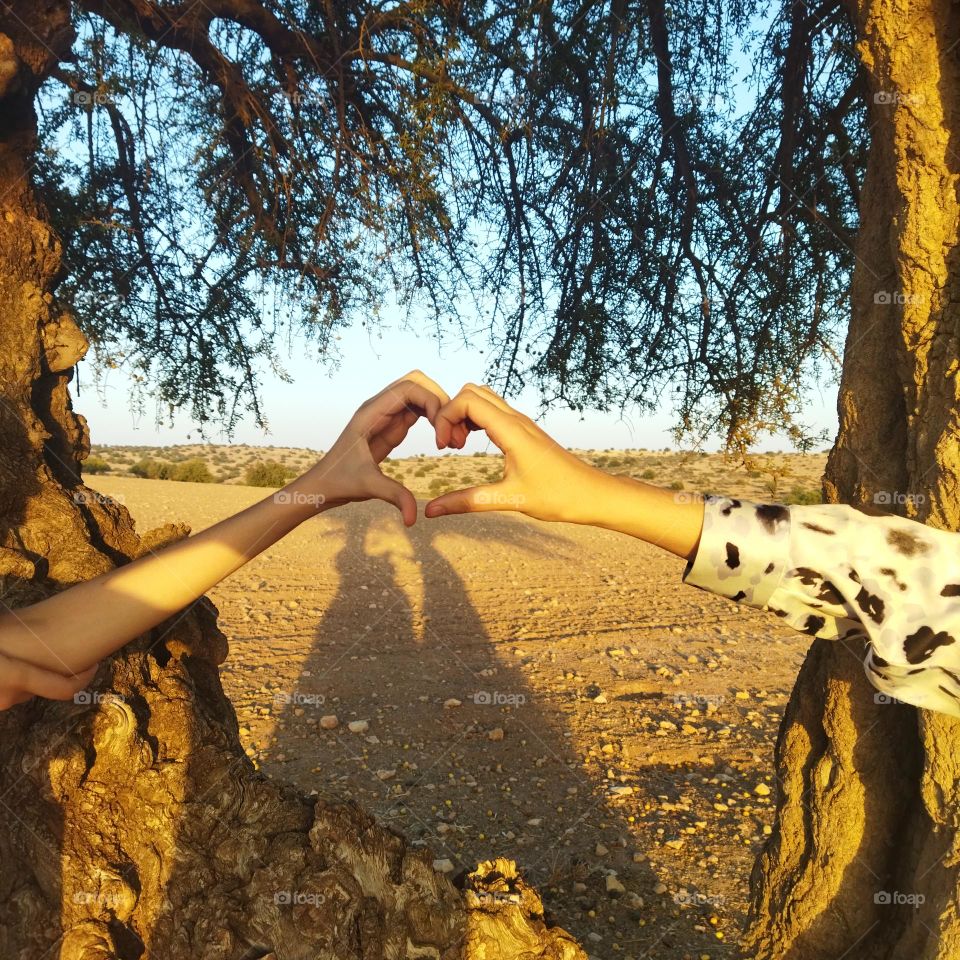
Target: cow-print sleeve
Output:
{"points": [[879, 583]]}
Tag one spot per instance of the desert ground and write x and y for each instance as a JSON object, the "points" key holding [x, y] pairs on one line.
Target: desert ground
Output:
{"points": [[491, 685]]}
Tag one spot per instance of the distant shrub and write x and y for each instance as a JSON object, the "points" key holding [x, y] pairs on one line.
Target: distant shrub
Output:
{"points": [[648, 474], [150, 469], [193, 471], [676, 485], [95, 465], [438, 485], [801, 496], [420, 472], [266, 473]]}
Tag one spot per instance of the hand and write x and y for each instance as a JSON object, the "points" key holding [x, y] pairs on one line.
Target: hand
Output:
{"points": [[545, 481], [350, 470], [19, 681], [540, 478]]}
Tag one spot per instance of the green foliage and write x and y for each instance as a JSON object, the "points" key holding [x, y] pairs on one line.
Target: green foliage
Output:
{"points": [[655, 232], [266, 473], [675, 485], [648, 474], [95, 465], [150, 469], [193, 471], [804, 496]]}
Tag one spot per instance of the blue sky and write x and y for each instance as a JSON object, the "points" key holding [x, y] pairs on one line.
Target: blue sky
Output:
{"points": [[311, 410]]}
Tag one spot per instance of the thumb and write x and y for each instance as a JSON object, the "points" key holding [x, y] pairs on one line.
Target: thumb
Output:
{"points": [[490, 496], [384, 488]]}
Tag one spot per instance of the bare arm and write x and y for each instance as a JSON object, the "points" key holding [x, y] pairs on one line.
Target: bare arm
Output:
{"points": [[545, 481], [105, 613]]}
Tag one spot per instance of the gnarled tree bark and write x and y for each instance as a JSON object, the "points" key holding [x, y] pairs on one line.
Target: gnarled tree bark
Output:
{"points": [[868, 808], [133, 824]]}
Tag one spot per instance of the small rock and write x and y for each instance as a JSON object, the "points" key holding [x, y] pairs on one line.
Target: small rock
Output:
{"points": [[761, 790], [495, 734], [451, 704], [444, 865], [329, 722], [614, 887], [358, 726]]}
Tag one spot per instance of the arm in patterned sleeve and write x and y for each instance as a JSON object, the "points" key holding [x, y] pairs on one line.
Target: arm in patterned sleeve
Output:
{"points": [[834, 572]]}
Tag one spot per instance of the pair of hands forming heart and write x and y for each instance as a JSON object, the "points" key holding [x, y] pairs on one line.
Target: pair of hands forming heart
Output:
{"points": [[540, 478]]}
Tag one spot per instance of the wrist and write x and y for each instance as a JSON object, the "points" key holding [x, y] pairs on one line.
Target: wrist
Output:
{"points": [[666, 518], [585, 496], [302, 499]]}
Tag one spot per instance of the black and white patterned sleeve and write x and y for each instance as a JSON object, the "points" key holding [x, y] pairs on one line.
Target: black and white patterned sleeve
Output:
{"points": [[835, 572]]}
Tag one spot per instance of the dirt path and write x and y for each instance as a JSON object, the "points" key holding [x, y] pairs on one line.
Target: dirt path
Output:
{"points": [[548, 693]]}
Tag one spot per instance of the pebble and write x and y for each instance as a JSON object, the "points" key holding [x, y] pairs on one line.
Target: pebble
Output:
{"points": [[451, 704], [329, 722], [495, 734], [443, 865], [614, 887], [761, 790], [358, 726]]}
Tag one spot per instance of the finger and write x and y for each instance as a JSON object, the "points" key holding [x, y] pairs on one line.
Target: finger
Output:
{"points": [[383, 488], [491, 496], [46, 683], [403, 395], [493, 397], [418, 376], [393, 435], [471, 410]]}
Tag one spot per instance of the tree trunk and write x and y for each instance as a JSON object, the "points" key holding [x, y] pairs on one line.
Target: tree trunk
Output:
{"points": [[864, 860], [134, 825]]}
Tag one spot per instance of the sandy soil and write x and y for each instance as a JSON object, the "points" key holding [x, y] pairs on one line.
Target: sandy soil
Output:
{"points": [[549, 693]]}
